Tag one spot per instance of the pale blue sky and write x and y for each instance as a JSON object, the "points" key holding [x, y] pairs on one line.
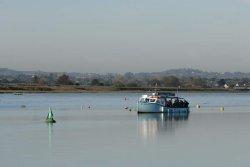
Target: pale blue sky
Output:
{"points": [[125, 35]]}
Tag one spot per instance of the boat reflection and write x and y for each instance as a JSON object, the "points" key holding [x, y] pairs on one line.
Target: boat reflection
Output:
{"points": [[152, 125]]}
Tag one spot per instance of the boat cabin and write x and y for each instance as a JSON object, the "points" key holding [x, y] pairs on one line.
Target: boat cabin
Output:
{"points": [[166, 101]]}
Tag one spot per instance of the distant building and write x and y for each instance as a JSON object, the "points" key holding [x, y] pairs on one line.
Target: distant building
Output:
{"points": [[226, 86], [241, 87]]}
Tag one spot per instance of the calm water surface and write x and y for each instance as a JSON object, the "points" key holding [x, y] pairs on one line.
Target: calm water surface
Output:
{"points": [[108, 135]]}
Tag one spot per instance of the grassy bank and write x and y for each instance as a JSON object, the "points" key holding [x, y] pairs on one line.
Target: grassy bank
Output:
{"points": [[55, 89], [81, 89]]}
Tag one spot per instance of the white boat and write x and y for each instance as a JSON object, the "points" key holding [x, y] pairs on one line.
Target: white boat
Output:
{"points": [[162, 103]]}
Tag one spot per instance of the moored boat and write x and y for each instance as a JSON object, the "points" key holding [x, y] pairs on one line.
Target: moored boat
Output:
{"points": [[160, 102], [18, 93]]}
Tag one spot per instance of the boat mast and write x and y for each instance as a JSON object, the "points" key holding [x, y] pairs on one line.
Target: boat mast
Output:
{"points": [[177, 91], [156, 88]]}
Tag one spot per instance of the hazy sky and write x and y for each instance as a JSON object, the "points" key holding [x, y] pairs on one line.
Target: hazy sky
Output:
{"points": [[125, 35]]}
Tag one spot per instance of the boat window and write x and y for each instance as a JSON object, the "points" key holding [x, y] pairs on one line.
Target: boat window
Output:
{"points": [[152, 100], [167, 99], [162, 102], [144, 100]]}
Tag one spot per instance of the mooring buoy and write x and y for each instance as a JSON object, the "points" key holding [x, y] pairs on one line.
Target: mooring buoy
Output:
{"points": [[23, 106], [198, 106], [50, 117]]}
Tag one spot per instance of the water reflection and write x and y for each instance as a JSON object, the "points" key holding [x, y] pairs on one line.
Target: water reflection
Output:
{"points": [[50, 132], [152, 125]]}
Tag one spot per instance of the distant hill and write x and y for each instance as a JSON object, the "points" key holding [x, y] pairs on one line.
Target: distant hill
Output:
{"points": [[13, 73], [183, 72], [9, 72], [204, 74]]}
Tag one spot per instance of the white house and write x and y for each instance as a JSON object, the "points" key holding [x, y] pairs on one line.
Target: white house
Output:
{"points": [[226, 86]]}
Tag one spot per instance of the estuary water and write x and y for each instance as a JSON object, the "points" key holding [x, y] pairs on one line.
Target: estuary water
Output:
{"points": [[94, 129]]}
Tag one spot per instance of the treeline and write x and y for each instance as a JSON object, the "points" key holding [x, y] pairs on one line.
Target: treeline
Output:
{"points": [[182, 82], [127, 80]]}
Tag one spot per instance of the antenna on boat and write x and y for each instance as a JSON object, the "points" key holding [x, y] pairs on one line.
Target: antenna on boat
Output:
{"points": [[156, 88], [177, 91]]}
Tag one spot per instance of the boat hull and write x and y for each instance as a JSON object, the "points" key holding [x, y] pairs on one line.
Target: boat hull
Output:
{"points": [[157, 108]]}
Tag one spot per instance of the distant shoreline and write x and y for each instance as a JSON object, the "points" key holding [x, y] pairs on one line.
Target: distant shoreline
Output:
{"points": [[96, 89]]}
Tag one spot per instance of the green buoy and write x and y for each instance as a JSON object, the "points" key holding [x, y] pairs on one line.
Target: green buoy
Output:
{"points": [[49, 118]]}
